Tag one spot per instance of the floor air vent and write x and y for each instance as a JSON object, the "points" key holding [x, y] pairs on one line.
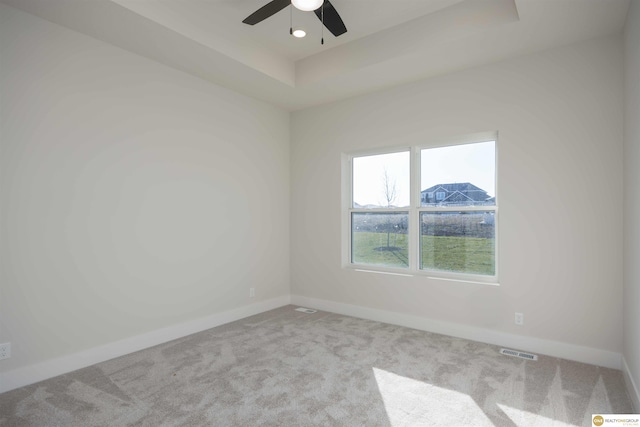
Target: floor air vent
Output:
{"points": [[306, 310], [519, 354]]}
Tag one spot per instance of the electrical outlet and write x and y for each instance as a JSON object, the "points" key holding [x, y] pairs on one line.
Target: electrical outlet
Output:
{"points": [[519, 319], [252, 292], [5, 350]]}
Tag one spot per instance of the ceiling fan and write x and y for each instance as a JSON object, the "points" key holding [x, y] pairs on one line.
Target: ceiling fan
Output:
{"points": [[324, 10]]}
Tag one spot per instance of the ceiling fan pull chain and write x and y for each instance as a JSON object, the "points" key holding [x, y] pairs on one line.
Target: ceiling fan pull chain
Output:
{"points": [[322, 25], [291, 19]]}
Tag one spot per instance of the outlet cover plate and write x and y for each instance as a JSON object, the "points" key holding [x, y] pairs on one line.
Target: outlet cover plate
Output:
{"points": [[5, 350]]}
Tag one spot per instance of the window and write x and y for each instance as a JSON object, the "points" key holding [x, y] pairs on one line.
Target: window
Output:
{"points": [[425, 210], [457, 233], [379, 216]]}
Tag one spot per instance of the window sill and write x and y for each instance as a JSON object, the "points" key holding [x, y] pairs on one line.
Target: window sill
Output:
{"points": [[390, 273], [462, 280], [426, 274]]}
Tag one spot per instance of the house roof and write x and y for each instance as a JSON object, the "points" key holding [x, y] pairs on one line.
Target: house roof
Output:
{"points": [[459, 192], [455, 186]]}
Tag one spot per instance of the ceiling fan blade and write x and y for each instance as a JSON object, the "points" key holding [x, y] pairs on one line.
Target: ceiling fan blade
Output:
{"points": [[266, 11], [332, 19]]}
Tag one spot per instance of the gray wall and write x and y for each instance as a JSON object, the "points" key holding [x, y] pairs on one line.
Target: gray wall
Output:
{"points": [[559, 118], [632, 199], [134, 196]]}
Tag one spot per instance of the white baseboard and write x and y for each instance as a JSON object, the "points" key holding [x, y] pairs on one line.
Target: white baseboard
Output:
{"points": [[632, 386], [578, 353], [31, 374]]}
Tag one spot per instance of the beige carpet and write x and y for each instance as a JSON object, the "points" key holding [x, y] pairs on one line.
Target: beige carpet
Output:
{"points": [[286, 368]]}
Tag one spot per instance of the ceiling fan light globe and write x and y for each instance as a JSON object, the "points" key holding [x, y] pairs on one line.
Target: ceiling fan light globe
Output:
{"points": [[307, 5], [299, 33]]}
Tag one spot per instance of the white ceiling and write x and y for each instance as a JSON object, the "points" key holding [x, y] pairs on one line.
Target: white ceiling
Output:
{"points": [[388, 42]]}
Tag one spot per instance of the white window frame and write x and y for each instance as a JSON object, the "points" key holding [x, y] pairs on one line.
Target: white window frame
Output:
{"points": [[414, 211]]}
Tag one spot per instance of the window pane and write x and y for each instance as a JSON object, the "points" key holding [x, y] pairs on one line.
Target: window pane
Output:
{"points": [[459, 175], [380, 239], [462, 242], [381, 181]]}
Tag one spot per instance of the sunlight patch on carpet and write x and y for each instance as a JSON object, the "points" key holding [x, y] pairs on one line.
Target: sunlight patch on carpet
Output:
{"points": [[553, 412], [528, 419], [410, 402]]}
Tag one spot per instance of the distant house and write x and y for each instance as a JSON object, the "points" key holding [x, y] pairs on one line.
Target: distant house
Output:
{"points": [[456, 194]]}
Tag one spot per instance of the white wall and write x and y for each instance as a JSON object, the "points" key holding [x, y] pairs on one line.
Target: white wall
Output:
{"points": [[134, 197], [632, 201], [559, 115]]}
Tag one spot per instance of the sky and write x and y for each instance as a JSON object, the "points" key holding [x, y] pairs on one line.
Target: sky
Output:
{"points": [[474, 163]]}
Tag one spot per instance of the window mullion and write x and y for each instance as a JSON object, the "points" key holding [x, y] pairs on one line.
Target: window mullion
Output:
{"points": [[414, 226]]}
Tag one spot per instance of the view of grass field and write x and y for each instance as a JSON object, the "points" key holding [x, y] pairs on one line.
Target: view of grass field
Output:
{"points": [[473, 255], [371, 248]]}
